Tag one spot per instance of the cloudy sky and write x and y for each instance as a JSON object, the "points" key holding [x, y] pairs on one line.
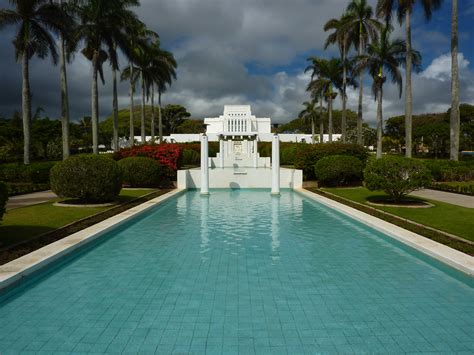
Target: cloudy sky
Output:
{"points": [[248, 52]]}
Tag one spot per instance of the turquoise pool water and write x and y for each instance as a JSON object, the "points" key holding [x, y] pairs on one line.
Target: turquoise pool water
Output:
{"points": [[242, 272]]}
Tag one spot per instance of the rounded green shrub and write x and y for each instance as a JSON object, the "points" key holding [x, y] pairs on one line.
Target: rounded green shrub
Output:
{"points": [[89, 178], [140, 171], [396, 176], [3, 198], [339, 170]]}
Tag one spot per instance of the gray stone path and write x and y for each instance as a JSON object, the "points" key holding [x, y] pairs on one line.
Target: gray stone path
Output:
{"points": [[448, 197], [30, 199]]}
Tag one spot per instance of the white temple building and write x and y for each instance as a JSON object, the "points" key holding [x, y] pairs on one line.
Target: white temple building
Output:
{"points": [[238, 163], [238, 120]]}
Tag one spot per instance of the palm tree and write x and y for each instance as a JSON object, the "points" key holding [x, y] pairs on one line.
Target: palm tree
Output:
{"points": [[66, 45], [454, 120], [361, 28], [329, 82], [404, 11], [340, 37], [166, 73], [385, 55], [101, 28], [318, 92], [309, 114], [35, 19]]}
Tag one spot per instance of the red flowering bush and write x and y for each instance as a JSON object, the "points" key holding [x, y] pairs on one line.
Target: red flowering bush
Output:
{"points": [[168, 155]]}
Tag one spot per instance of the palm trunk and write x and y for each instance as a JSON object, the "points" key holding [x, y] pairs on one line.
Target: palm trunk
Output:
{"points": [[26, 98], [64, 99], [408, 90], [115, 138], [321, 120], [143, 132], [455, 119], [360, 139], [160, 119], [152, 125], [95, 105], [344, 89], [132, 113], [330, 114], [379, 121], [312, 129]]}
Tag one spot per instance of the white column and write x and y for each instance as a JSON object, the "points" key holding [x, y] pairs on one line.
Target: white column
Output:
{"points": [[275, 165], [204, 166], [255, 153], [221, 152]]}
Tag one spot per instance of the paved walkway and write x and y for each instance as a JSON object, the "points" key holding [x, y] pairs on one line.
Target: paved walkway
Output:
{"points": [[448, 197], [30, 199]]}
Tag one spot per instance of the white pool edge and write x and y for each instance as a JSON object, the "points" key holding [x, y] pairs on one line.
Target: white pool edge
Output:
{"points": [[27, 264], [438, 251]]}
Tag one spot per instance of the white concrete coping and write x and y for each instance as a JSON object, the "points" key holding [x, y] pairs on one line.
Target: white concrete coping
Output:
{"points": [[19, 268], [438, 251]]}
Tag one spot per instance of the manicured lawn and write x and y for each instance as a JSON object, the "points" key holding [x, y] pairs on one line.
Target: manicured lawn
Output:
{"points": [[443, 216], [27, 222]]}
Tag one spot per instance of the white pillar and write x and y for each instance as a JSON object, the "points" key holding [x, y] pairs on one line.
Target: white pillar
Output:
{"points": [[255, 153], [221, 152], [204, 166], [275, 165]]}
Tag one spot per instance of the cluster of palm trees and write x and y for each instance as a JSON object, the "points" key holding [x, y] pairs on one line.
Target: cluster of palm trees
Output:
{"points": [[369, 35], [100, 29]]}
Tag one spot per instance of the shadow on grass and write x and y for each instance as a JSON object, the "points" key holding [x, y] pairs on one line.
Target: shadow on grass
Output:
{"points": [[10, 235], [387, 200]]}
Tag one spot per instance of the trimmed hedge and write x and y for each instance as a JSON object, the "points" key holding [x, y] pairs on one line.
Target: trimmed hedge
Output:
{"points": [[307, 155], [449, 170], [3, 198], [458, 189], [397, 176], [339, 170], [21, 188], [191, 157], [140, 171], [89, 178], [35, 173]]}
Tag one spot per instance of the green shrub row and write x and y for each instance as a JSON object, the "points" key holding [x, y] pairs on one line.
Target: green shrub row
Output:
{"points": [[35, 173], [459, 189], [339, 170], [3, 198], [448, 170]]}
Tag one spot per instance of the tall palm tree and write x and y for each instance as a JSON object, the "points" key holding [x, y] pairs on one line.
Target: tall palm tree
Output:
{"points": [[404, 10], [309, 114], [329, 82], [340, 37], [65, 44], [385, 56], [318, 92], [361, 28], [101, 28], [166, 73], [455, 119], [35, 20]]}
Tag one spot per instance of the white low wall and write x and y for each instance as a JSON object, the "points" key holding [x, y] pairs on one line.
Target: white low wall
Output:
{"points": [[244, 178]]}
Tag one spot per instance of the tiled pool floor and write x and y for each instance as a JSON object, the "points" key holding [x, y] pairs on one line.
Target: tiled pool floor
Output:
{"points": [[242, 272]]}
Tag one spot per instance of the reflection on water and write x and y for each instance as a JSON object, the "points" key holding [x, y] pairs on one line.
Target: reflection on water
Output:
{"points": [[275, 244]]}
